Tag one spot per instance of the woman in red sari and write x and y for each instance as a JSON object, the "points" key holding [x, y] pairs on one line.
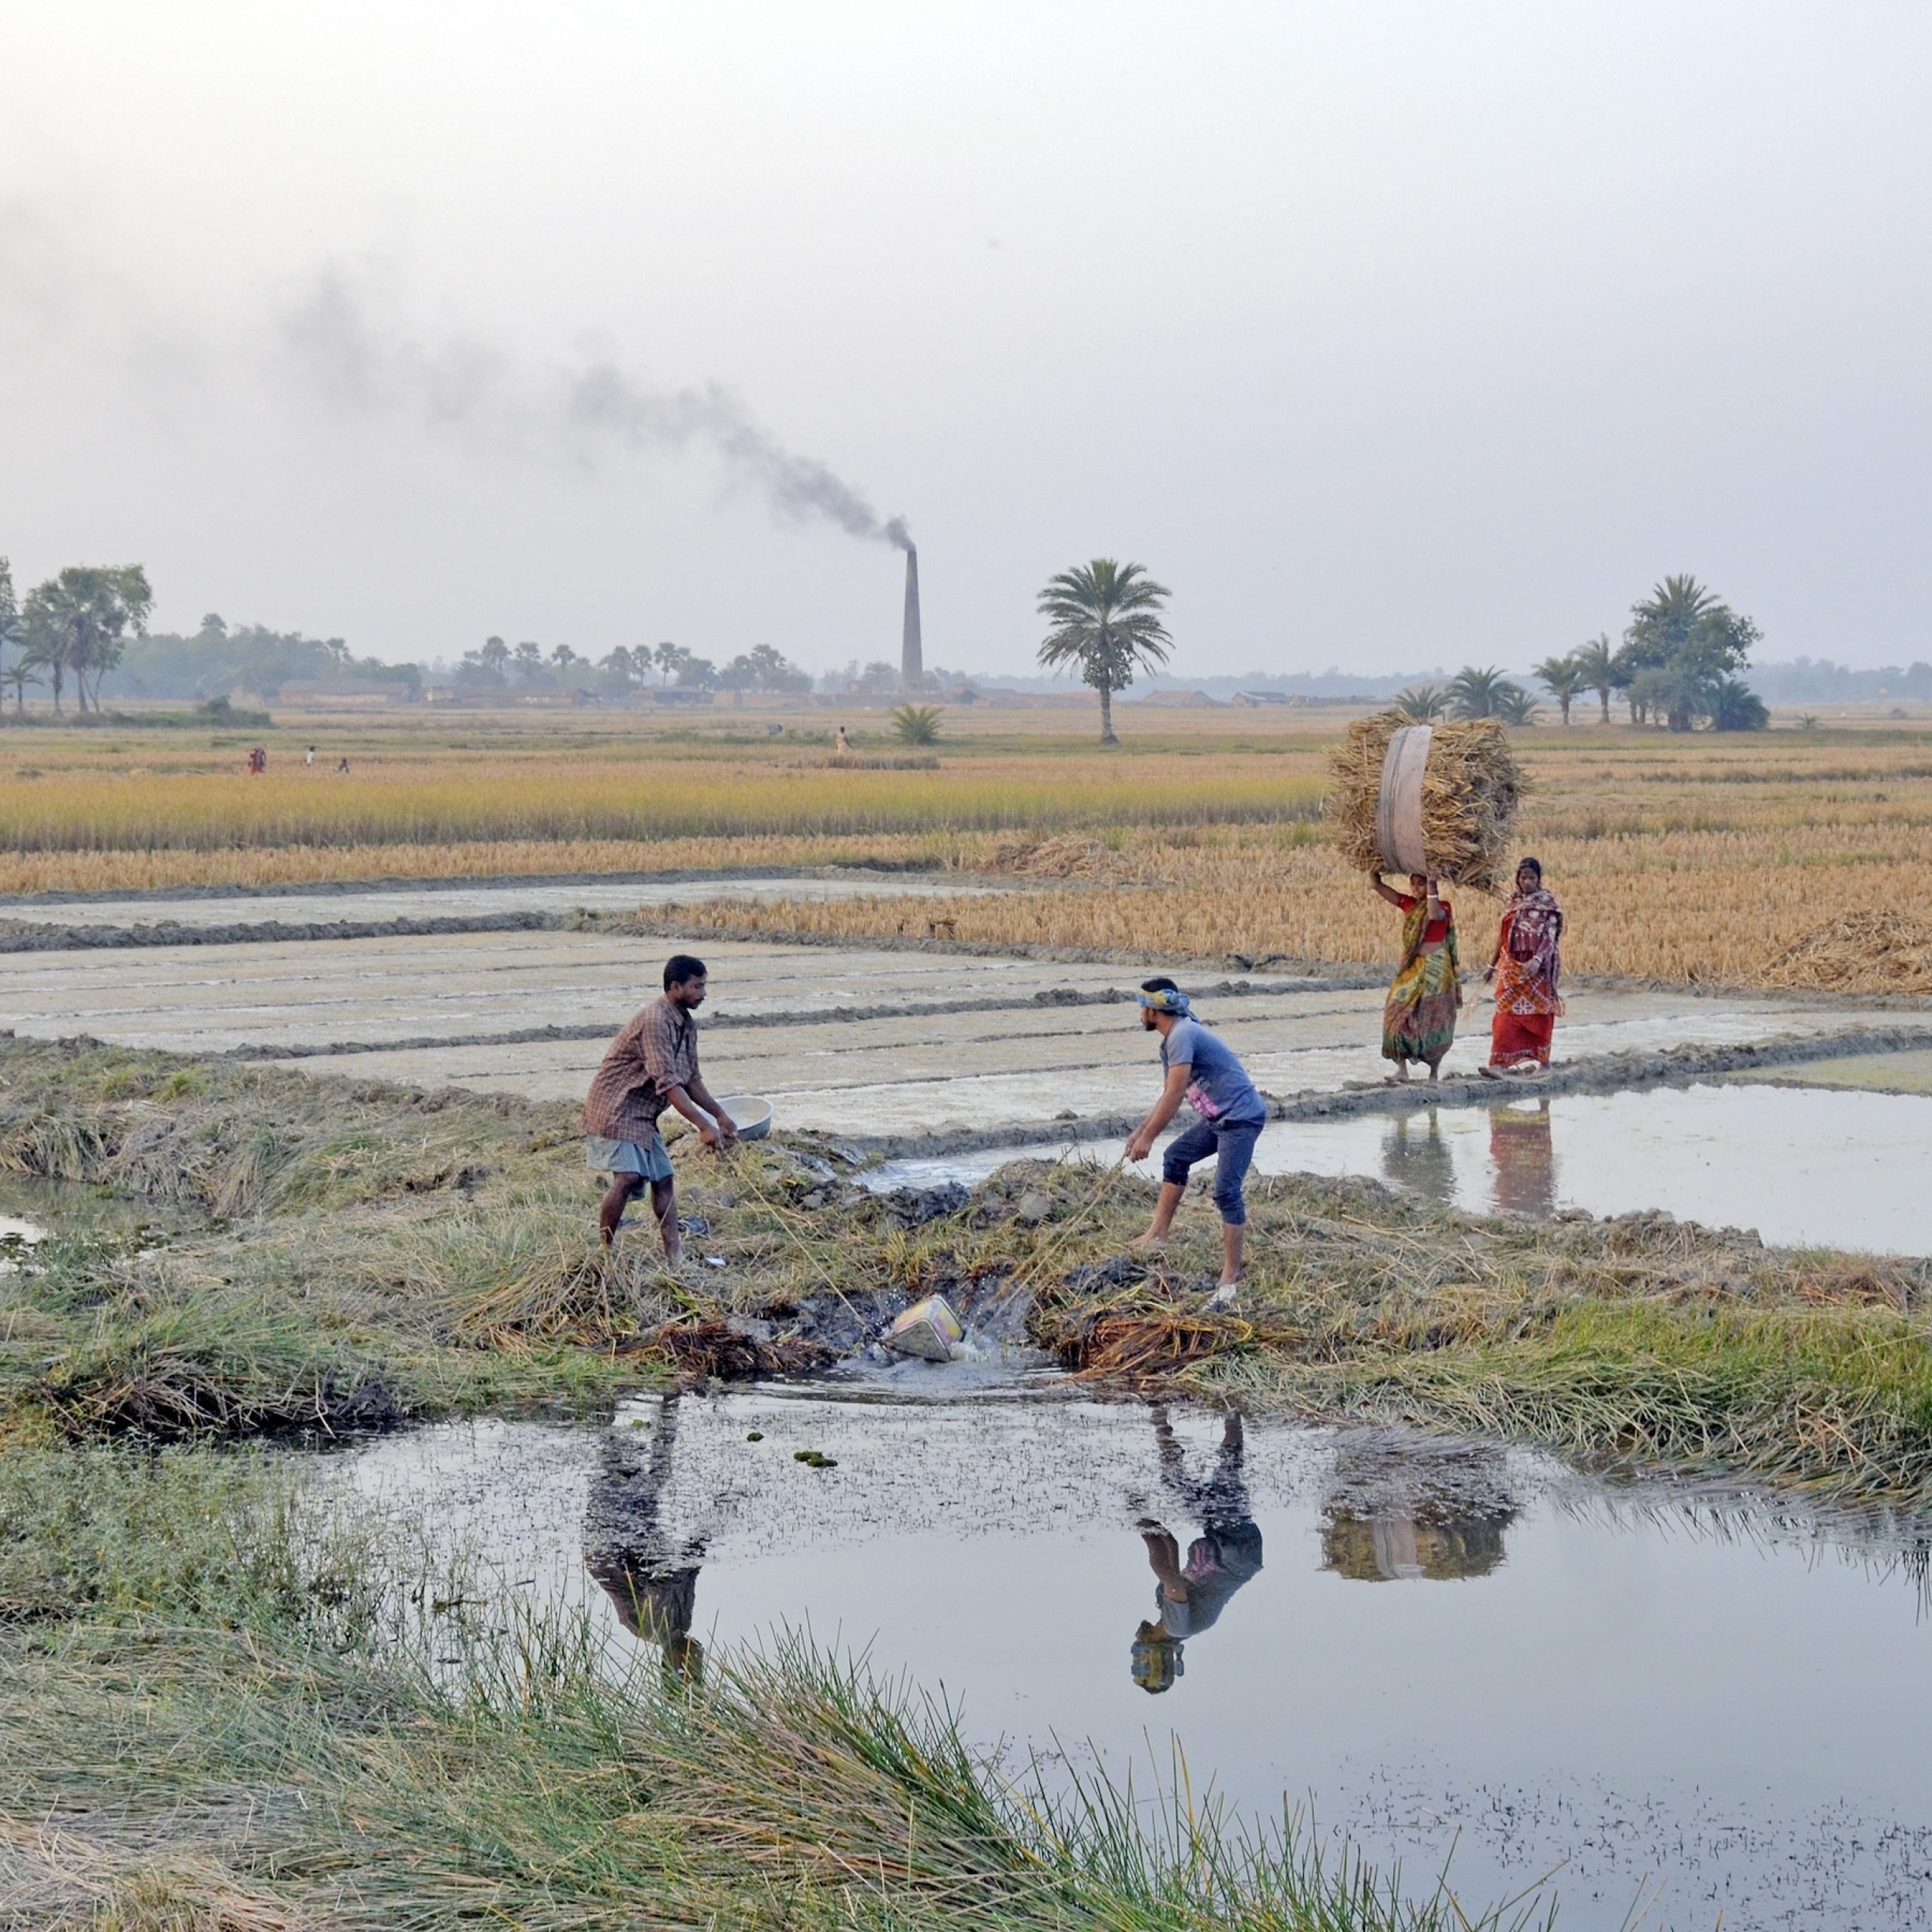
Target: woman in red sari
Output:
{"points": [[1526, 966]]}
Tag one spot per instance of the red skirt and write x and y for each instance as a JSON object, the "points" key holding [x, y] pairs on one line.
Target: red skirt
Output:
{"points": [[1515, 1038]]}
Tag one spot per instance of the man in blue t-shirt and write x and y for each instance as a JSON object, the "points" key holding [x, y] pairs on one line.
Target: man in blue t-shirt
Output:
{"points": [[1229, 1116]]}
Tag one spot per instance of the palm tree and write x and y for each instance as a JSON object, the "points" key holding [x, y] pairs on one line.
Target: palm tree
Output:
{"points": [[1596, 670], [1514, 705], [1420, 704], [1735, 706], [16, 677], [1675, 608], [1106, 619], [1471, 692], [1563, 678], [916, 724]]}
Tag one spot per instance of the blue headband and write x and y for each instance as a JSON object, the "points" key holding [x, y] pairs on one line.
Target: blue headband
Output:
{"points": [[1166, 1001]]}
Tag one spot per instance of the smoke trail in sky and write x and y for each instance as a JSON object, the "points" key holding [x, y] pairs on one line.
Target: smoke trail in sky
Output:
{"points": [[476, 391]]}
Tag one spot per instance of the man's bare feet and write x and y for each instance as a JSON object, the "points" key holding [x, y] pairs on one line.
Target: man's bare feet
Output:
{"points": [[1150, 1243], [1225, 1295]]}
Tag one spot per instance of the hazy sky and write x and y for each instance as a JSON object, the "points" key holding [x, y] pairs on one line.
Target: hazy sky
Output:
{"points": [[1386, 336]]}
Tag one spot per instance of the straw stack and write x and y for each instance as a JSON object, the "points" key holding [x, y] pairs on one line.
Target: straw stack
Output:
{"points": [[1460, 795], [1874, 951]]}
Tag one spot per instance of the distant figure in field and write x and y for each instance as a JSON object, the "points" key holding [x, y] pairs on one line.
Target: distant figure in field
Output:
{"points": [[841, 744], [310, 758], [1418, 1017], [258, 762], [342, 768], [1526, 966], [652, 1065]]}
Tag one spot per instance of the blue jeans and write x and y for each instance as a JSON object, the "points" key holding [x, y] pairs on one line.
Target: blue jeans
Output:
{"points": [[1233, 1150]]}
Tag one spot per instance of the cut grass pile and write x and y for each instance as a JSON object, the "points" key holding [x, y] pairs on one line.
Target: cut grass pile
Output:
{"points": [[239, 1721], [1890, 949], [388, 1254]]}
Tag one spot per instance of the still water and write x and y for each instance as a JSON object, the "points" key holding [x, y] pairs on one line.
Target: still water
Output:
{"points": [[1803, 1167], [1669, 1700]]}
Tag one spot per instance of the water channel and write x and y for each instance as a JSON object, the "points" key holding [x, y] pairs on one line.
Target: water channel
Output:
{"points": [[1803, 1166], [1672, 1703]]}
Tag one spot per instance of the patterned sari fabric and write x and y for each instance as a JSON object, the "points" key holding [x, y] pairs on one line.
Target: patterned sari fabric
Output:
{"points": [[1529, 965], [1419, 1020]]}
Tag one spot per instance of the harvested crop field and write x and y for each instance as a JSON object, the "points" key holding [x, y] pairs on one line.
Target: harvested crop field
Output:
{"points": [[1199, 838]]}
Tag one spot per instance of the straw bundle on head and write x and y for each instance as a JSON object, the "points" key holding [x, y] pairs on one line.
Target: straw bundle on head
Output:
{"points": [[1441, 800]]}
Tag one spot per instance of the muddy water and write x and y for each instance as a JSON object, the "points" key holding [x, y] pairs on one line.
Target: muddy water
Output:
{"points": [[1802, 1166], [1682, 1700]]}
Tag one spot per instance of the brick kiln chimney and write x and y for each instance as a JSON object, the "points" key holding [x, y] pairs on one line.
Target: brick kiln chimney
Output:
{"points": [[911, 657]]}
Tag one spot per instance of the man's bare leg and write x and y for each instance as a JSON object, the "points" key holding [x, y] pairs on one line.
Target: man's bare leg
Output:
{"points": [[1156, 1235], [623, 1187], [664, 1205], [1234, 1237]]}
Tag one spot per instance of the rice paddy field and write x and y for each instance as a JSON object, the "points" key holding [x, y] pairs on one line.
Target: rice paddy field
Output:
{"points": [[1789, 857], [275, 1707]]}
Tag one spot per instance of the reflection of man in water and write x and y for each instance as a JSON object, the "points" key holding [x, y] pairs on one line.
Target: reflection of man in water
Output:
{"points": [[1519, 1145], [1189, 1597], [651, 1577]]}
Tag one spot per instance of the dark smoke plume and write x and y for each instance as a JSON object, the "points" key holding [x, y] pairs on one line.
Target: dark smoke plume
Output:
{"points": [[577, 416]]}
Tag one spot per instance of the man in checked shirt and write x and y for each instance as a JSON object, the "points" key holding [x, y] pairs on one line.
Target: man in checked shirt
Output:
{"points": [[652, 1065]]}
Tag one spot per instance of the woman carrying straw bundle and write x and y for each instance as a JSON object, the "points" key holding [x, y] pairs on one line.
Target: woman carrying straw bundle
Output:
{"points": [[1419, 1019], [1526, 966]]}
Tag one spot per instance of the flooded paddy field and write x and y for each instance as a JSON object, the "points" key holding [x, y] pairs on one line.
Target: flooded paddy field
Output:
{"points": [[1801, 1167], [843, 1040], [1679, 1706]]}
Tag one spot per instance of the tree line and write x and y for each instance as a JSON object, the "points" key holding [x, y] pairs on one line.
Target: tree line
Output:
{"points": [[496, 665], [75, 625], [1677, 667]]}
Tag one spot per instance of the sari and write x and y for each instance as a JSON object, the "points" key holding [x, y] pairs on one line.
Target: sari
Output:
{"points": [[1418, 1017], [1529, 965]]}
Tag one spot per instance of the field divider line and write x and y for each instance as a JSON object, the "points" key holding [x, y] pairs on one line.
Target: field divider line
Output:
{"points": [[1046, 1000], [1608, 1073]]}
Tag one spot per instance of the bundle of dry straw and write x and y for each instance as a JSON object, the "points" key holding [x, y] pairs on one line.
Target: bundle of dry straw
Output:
{"points": [[1876, 951], [1470, 787]]}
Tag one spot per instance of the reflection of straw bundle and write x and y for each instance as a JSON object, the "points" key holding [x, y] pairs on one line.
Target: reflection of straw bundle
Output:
{"points": [[1470, 787], [1862, 953]]}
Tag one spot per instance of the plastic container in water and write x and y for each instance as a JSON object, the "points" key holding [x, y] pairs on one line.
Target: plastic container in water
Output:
{"points": [[928, 1329]]}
